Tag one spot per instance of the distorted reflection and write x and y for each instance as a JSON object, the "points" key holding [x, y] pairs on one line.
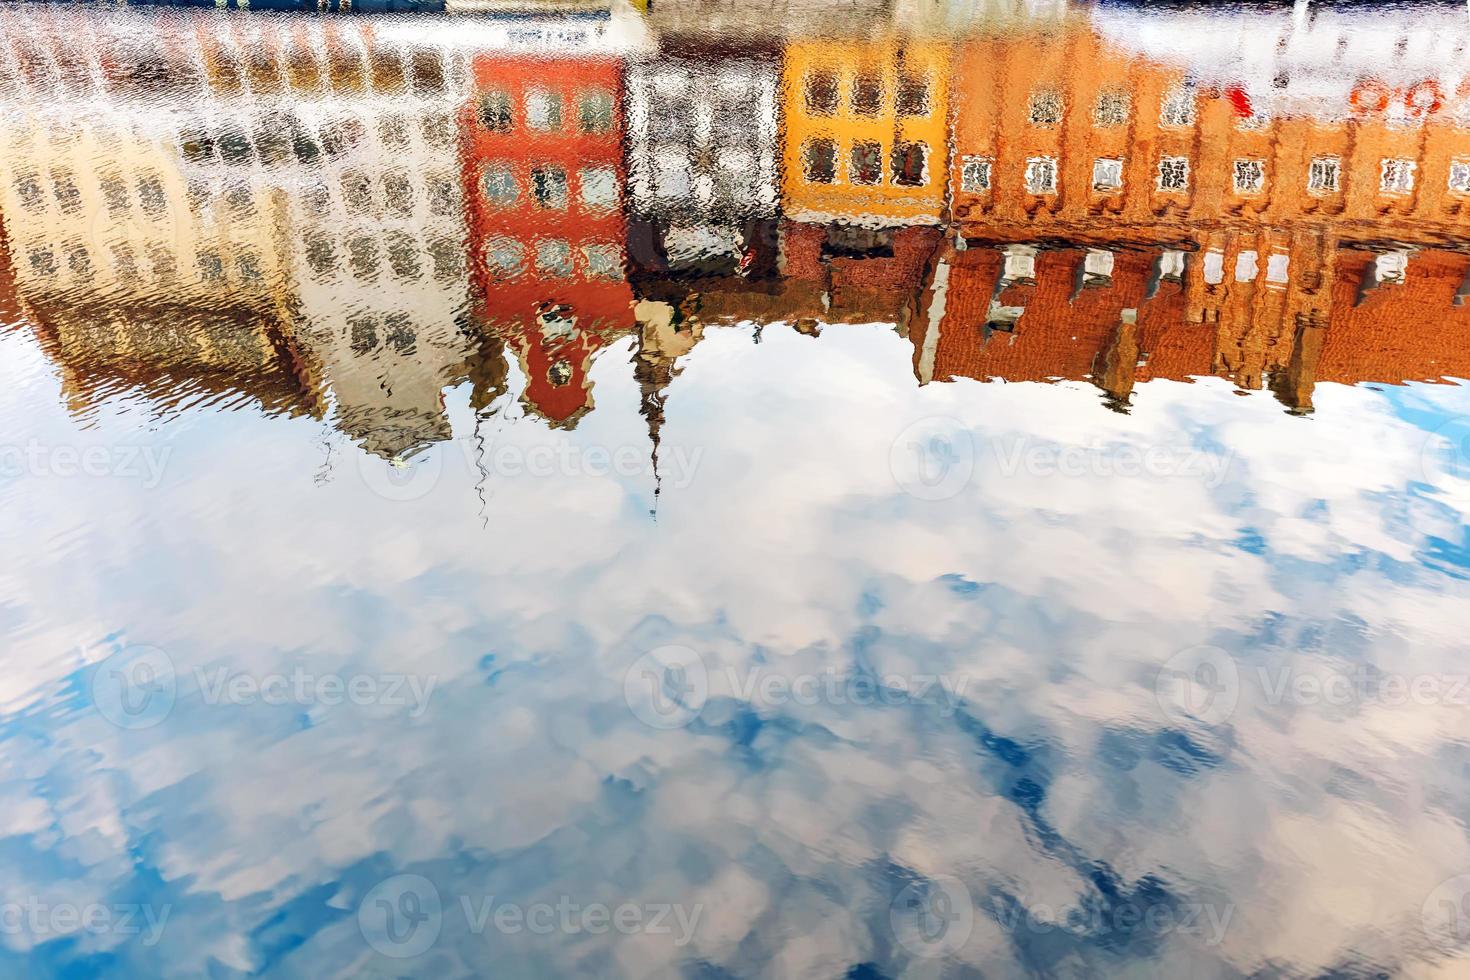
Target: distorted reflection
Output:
{"points": [[881, 489]]}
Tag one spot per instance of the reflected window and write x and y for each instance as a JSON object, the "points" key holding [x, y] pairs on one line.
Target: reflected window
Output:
{"points": [[68, 195], [1460, 176], [549, 186], [318, 200], [1041, 175], [1107, 174], [78, 259], [867, 94], [386, 66], [273, 143], [447, 257], [1174, 173], [240, 200], [498, 185], [819, 161], [305, 148], [495, 111], [1045, 107], [820, 93], [321, 254], [908, 164], [115, 195], [125, 261], [234, 146], [438, 131], [595, 111], [198, 146], [599, 188], [1324, 175], [427, 70], [42, 262], [1397, 176], [913, 95], [1250, 176], [1177, 108], [165, 266], [554, 258], [211, 266], [403, 255], [362, 333], [603, 261], [362, 256], [505, 257], [443, 195], [399, 333], [560, 373], [28, 189], [673, 174], [357, 191], [151, 194], [867, 163], [247, 265], [398, 193], [975, 174], [393, 131], [342, 136], [1111, 109], [543, 110]]}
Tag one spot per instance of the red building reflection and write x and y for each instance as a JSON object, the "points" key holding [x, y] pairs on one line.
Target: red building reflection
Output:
{"points": [[543, 179]]}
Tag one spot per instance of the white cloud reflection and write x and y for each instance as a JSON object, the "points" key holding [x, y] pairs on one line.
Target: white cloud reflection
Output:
{"points": [[1322, 828]]}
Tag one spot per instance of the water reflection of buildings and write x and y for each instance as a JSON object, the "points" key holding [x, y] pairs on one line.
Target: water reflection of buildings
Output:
{"points": [[379, 208], [543, 185]]}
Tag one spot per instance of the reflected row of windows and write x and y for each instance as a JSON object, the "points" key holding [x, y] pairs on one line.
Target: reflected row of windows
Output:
{"points": [[342, 68], [501, 187], [281, 138], [154, 262], [116, 193], [364, 255], [824, 95], [367, 331], [1248, 176], [907, 164], [507, 258], [541, 110]]}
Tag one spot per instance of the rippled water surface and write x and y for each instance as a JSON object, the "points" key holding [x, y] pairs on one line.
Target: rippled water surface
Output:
{"points": [[848, 490]]}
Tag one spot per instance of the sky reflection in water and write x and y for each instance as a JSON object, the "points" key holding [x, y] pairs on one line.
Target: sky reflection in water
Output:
{"points": [[706, 625]]}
